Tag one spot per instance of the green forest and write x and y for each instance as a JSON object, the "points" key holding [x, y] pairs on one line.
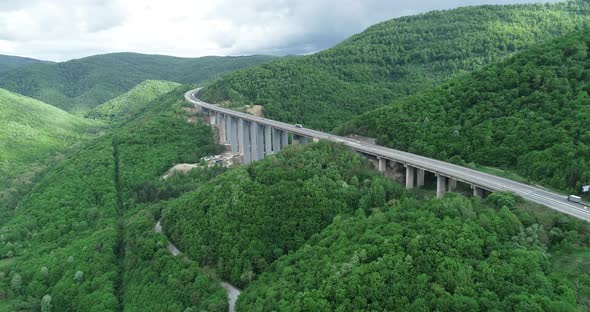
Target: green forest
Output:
{"points": [[83, 239], [79, 85], [314, 227], [528, 113], [33, 137], [391, 60], [9, 62], [454, 254], [245, 219]]}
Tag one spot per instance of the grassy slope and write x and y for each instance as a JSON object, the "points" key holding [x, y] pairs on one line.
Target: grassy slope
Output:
{"points": [[83, 216], [393, 59], [528, 113], [79, 85], [133, 101], [31, 133]]}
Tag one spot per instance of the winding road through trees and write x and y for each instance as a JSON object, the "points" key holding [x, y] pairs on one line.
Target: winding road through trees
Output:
{"points": [[232, 292]]}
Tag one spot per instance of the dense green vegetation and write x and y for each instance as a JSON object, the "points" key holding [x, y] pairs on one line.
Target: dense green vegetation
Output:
{"points": [[445, 255], [79, 85], [529, 113], [8, 62], [394, 59], [132, 102], [32, 136], [82, 241], [245, 219]]}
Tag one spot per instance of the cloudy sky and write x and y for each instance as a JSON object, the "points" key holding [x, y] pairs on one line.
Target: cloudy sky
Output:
{"points": [[59, 30]]}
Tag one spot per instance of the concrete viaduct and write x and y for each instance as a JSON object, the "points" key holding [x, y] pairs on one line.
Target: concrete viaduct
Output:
{"points": [[256, 137]]}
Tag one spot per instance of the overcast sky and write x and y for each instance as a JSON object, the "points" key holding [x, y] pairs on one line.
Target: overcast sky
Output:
{"points": [[59, 30]]}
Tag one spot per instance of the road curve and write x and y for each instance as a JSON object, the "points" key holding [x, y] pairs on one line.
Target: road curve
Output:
{"points": [[483, 180], [232, 292]]}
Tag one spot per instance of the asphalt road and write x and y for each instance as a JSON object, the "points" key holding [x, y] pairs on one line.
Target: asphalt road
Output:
{"points": [[483, 180]]}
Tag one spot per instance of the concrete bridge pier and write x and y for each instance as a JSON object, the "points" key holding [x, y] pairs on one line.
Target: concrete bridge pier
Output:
{"points": [[254, 141], [260, 148], [441, 186], [284, 139], [245, 141], [382, 164], [452, 185], [420, 177], [267, 140], [211, 118], [478, 191], [233, 134], [410, 172], [220, 122], [303, 140], [276, 140]]}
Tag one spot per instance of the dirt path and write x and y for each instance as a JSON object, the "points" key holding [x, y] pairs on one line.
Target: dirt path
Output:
{"points": [[232, 292]]}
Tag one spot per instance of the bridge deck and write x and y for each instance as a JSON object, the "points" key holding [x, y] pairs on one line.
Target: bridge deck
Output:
{"points": [[476, 178]]}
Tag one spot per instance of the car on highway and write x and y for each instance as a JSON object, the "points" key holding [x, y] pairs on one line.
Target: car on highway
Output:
{"points": [[574, 199], [298, 126]]}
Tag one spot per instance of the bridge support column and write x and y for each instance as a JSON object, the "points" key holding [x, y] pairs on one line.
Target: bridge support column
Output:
{"points": [[452, 185], [315, 140], [410, 176], [420, 177], [259, 142], [303, 140], [276, 140], [220, 119], [245, 142], [233, 134], [241, 125], [478, 191], [441, 186], [382, 164], [254, 141], [285, 138], [212, 118], [267, 140]]}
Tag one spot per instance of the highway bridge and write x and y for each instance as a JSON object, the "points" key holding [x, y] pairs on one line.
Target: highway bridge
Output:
{"points": [[255, 137]]}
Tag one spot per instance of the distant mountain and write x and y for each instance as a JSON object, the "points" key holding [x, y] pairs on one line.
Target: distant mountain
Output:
{"points": [[8, 62], [132, 101], [530, 113], [30, 133], [394, 59], [80, 85]]}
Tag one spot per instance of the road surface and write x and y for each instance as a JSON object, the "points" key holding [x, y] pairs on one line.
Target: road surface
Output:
{"points": [[480, 179], [232, 292]]}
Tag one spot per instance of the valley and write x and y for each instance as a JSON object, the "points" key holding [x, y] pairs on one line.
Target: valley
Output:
{"points": [[112, 198]]}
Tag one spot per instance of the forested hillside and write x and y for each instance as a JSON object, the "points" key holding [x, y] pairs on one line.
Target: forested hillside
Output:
{"points": [[312, 229], [133, 101], [391, 60], [32, 135], [242, 221], [439, 255], [8, 62], [529, 113], [83, 239], [79, 85]]}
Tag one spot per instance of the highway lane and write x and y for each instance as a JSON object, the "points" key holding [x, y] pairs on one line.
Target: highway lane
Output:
{"points": [[483, 180]]}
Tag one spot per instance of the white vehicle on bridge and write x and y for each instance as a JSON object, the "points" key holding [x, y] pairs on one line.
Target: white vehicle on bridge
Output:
{"points": [[298, 126], [574, 199]]}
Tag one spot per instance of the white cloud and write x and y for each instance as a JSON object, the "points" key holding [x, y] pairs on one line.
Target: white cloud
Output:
{"points": [[65, 29]]}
